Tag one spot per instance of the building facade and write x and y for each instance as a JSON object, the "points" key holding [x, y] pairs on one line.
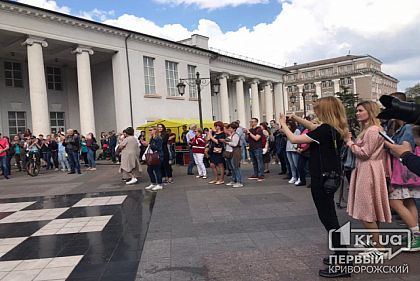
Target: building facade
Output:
{"points": [[59, 71], [360, 75]]}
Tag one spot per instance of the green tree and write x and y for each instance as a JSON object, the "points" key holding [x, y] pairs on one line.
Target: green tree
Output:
{"points": [[349, 101], [413, 93]]}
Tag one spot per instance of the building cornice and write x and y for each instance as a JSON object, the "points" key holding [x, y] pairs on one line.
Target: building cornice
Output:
{"points": [[250, 65], [169, 44], [353, 73]]}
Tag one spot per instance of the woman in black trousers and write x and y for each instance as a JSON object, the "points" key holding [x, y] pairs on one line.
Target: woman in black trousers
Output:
{"points": [[166, 168], [323, 158]]}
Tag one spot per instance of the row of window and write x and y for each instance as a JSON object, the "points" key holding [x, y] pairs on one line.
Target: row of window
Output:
{"points": [[294, 108], [324, 84], [172, 79], [13, 76], [321, 72], [18, 124]]}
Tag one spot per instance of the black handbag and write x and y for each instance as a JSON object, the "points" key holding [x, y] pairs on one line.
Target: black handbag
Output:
{"points": [[332, 180]]}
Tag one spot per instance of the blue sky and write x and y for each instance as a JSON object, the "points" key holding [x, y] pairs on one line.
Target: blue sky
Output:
{"points": [[229, 18]]}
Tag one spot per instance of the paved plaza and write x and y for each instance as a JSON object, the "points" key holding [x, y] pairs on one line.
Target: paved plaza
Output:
{"points": [[92, 227]]}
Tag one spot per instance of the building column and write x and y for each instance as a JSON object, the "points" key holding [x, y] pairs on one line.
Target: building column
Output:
{"points": [[278, 100], [224, 98], [240, 98], [268, 101], [121, 91], [300, 98], [84, 83], [336, 85], [286, 98], [255, 100], [37, 86], [318, 91]]}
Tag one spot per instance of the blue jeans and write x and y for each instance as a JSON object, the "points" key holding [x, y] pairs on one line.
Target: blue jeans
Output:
{"points": [[257, 161], [293, 158], [236, 172], [91, 158], [47, 158], [4, 166], [154, 174], [62, 159], [191, 163], [74, 161], [243, 151]]}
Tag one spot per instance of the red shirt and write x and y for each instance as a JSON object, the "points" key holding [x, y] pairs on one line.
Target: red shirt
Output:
{"points": [[3, 144], [198, 144]]}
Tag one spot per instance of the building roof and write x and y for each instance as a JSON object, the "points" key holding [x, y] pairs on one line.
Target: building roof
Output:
{"points": [[328, 61], [211, 52]]}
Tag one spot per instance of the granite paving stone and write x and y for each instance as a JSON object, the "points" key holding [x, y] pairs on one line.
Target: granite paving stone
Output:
{"points": [[268, 231]]}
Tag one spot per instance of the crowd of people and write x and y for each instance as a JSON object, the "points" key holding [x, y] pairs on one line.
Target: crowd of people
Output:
{"points": [[324, 148], [321, 147], [62, 151]]}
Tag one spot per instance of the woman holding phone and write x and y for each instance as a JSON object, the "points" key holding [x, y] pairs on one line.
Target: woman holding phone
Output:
{"points": [[325, 140]]}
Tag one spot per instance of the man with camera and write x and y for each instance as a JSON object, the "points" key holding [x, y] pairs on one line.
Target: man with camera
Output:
{"points": [[405, 154], [255, 137], [410, 113]]}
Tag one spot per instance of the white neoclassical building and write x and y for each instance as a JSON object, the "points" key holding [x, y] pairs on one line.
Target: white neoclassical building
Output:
{"points": [[59, 71]]}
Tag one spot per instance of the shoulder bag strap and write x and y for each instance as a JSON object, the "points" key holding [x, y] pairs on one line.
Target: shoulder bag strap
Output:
{"points": [[336, 150]]}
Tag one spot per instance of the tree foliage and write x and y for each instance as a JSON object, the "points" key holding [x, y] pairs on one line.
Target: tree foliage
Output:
{"points": [[413, 93], [349, 100]]}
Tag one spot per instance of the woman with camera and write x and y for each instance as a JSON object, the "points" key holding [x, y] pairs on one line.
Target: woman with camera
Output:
{"points": [[326, 140]]}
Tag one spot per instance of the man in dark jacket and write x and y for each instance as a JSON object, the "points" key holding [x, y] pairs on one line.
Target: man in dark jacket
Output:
{"points": [[112, 145], [72, 144]]}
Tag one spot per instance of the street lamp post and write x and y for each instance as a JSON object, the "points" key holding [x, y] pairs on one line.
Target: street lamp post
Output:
{"points": [[293, 100], [197, 82]]}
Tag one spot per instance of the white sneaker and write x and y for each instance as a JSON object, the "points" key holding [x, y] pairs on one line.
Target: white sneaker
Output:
{"points": [[230, 183], [198, 177], [204, 177], [292, 180], [157, 187], [132, 181], [150, 186], [238, 185], [297, 182], [374, 253]]}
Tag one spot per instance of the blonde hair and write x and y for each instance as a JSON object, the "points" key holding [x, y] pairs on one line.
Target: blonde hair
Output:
{"points": [[331, 111], [373, 110]]}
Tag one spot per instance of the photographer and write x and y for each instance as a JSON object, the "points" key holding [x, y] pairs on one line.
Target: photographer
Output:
{"points": [[404, 152], [410, 113]]}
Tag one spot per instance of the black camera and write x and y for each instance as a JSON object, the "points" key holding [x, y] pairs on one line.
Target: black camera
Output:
{"points": [[395, 109]]}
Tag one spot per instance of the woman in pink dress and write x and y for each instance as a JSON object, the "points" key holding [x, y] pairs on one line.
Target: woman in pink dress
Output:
{"points": [[368, 194]]}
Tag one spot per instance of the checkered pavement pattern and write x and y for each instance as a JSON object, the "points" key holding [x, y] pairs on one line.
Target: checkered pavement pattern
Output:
{"points": [[54, 268]]}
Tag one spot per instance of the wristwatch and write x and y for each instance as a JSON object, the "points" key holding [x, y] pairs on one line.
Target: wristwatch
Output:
{"points": [[403, 155]]}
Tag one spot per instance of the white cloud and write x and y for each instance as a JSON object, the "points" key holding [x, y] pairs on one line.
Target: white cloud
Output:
{"points": [[47, 4], [305, 30], [96, 15], [169, 31], [212, 4]]}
